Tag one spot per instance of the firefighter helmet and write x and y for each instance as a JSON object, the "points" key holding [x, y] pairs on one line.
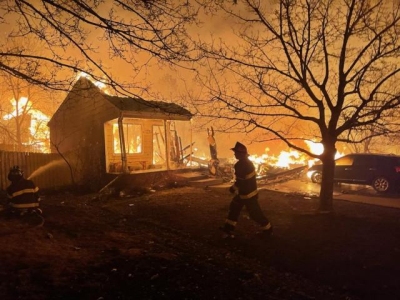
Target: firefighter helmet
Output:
{"points": [[239, 148], [15, 173]]}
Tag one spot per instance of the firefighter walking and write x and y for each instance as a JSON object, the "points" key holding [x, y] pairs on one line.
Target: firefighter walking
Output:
{"points": [[246, 194]]}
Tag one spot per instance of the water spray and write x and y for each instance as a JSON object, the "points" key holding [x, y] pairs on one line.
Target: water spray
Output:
{"points": [[46, 167]]}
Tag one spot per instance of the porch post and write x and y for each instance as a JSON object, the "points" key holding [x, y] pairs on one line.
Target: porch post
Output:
{"points": [[167, 143], [122, 144], [191, 143]]}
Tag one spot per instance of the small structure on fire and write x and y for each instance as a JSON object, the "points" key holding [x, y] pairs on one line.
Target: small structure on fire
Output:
{"points": [[99, 133]]}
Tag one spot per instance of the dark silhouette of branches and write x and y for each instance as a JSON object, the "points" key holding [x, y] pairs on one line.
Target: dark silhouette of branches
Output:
{"points": [[305, 70], [77, 36]]}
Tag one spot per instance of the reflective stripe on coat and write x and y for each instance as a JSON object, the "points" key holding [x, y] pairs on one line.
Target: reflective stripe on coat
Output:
{"points": [[245, 179], [23, 194]]}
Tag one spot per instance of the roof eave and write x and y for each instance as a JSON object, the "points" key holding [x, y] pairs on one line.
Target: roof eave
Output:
{"points": [[156, 115]]}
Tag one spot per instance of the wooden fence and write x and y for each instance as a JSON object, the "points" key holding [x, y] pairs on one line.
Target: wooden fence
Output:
{"points": [[47, 170]]}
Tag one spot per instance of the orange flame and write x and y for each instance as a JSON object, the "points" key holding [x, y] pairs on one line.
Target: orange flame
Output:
{"points": [[290, 159], [39, 132], [318, 148], [101, 85]]}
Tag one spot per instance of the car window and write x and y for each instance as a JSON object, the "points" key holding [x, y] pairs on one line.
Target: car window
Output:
{"points": [[344, 161], [396, 161], [364, 160], [391, 161]]}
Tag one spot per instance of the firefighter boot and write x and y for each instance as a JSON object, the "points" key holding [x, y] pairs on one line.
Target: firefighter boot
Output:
{"points": [[266, 232], [227, 231]]}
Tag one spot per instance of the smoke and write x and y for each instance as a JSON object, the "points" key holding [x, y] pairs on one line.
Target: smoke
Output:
{"points": [[43, 169]]}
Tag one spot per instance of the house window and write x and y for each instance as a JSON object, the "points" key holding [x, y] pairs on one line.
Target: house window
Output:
{"points": [[132, 136]]}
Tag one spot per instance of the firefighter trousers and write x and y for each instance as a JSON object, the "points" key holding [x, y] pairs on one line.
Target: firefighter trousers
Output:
{"points": [[253, 207]]}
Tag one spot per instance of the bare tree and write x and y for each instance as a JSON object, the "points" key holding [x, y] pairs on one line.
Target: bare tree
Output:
{"points": [[78, 36], [305, 70]]}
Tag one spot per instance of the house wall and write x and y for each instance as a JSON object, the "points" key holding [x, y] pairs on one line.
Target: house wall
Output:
{"points": [[80, 118], [76, 130]]}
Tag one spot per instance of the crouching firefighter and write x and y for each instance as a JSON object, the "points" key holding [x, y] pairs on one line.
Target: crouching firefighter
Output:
{"points": [[22, 194], [246, 194]]}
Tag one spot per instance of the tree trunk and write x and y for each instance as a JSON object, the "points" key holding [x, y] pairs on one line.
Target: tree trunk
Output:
{"points": [[328, 169]]}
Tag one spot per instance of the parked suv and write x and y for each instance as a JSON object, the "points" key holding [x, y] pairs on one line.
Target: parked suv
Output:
{"points": [[381, 171]]}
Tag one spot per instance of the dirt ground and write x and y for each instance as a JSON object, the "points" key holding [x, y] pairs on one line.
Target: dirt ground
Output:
{"points": [[166, 245]]}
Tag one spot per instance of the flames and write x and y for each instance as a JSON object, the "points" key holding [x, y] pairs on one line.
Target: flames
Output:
{"points": [[289, 159], [101, 85], [286, 162], [285, 159], [38, 131]]}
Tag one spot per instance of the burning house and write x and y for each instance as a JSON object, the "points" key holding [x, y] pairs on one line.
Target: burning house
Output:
{"points": [[24, 128], [102, 134]]}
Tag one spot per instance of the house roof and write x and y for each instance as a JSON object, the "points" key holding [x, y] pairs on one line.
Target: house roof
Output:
{"points": [[132, 107], [128, 104]]}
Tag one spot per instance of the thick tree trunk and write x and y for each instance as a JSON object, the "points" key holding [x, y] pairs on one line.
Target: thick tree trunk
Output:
{"points": [[326, 192]]}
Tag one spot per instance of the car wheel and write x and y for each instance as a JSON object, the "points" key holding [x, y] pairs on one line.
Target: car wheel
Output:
{"points": [[316, 177], [381, 184]]}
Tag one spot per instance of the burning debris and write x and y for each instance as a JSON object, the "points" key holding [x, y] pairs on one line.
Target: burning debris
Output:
{"points": [[285, 166]]}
